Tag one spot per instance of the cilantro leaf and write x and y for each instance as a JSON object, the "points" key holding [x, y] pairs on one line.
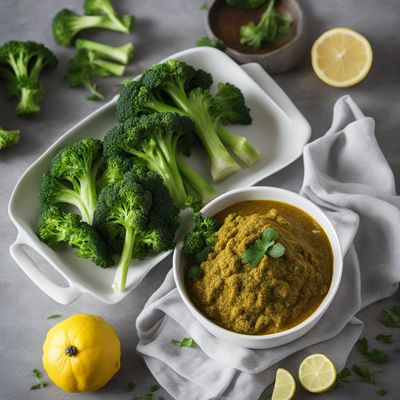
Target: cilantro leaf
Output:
{"points": [[185, 342], [277, 250], [384, 338], [391, 317], [154, 388], [36, 373], [344, 376], [54, 316], [376, 355], [364, 373], [38, 385], [270, 235]]}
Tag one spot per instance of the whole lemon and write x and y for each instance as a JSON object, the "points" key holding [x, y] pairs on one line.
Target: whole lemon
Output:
{"points": [[81, 353]]}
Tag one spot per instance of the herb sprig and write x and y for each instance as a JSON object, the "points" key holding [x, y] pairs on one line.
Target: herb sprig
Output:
{"points": [[54, 316], [265, 245], [185, 342], [38, 376], [391, 317], [384, 338], [376, 356]]}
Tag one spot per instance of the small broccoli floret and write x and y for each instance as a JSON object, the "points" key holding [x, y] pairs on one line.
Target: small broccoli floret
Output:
{"points": [[75, 168], [216, 43], [85, 66], [122, 54], [155, 141], [21, 64], [66, 24], [114, 171], [200, 241], [136, 208], [98, 7], [245, 4], [56, 226], [8, 138]]}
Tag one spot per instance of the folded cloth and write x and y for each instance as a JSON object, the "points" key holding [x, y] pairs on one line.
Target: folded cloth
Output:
{"points": [[346, 175]]}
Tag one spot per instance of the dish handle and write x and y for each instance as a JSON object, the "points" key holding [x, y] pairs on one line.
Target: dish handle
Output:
{"points": [[60, 294]]}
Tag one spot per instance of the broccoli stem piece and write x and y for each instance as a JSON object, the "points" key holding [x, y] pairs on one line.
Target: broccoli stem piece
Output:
{"points": [[122, 54], [195, 106], [28, 102], [110, 67], [95, 21], [204, 190], [8, 138], [243, 149]]}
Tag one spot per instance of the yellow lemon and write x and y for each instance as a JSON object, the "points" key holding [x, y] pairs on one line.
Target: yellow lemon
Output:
{"points": [[341, 57], [285, 385], [317, 373], [81, 353]]}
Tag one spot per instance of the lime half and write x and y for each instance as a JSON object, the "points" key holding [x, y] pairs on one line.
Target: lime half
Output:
{"points": [[285, 385]]}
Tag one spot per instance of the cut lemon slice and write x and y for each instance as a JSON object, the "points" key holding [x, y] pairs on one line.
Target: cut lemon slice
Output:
{"points": [[285, 385], [317, 373], [341, 57]]}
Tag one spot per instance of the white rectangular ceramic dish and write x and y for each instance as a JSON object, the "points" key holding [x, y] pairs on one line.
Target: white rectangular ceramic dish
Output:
{"points": [[278, 130]]}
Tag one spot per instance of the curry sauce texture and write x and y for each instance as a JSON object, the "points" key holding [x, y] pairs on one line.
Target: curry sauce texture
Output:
{"points": [[278, 293]]}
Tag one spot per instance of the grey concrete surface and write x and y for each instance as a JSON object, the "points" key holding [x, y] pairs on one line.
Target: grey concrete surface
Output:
{"points": [[162, 28]]}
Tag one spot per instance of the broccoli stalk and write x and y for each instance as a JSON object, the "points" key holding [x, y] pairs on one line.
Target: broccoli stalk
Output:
{"points": [[66, 24], [57, 226], [142, 207], [96, 7], [8, 138], [122, 54], [21, 64], [72, 177]]}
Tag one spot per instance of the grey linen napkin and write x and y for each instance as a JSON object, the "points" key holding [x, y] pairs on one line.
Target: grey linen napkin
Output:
{"points": [[345, 174]]}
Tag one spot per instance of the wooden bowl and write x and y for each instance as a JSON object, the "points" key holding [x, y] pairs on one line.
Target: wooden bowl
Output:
{"points": [[224, 22]]}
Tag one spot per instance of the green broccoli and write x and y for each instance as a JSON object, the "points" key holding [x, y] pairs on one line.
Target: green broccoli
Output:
{"points": [[175, 79], [216, 43], [122, 54], [155, 141], [66, 24], [85, 66], [245, 4], [8, 138], [141, 209], [114, 171], [56, 226], [98, 7], [272, 27], [21, 64], [72, 177]]}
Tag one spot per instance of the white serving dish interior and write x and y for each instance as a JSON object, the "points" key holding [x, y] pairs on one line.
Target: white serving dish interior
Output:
{"points": [[278, 130], [180, 264]]}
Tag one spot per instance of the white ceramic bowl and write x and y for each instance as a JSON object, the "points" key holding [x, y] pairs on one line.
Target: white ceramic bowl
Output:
{"points": [[280, 338]]}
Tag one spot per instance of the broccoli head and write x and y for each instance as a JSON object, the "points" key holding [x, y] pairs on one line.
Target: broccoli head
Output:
{"points": [[114, 171], [21, 64], [8, 138], [134, 209], [72, 177], [56, 226]]}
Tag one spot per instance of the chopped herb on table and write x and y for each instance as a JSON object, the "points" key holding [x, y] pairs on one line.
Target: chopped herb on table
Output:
{"points": [[204, 6], [130, 387], [206, 41], [40, 384], [54, 316], [364, 374], [376, 356], [384, 338], [391, 317], [382, 392], [344, 376], [265, 245], [272, 27], [185, 342]]}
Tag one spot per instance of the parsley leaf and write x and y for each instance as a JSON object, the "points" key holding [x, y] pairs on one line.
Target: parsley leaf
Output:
{"points": [[54, 316], [154, 388], [364, 373], [185, 342], [381, 392], [130, 387], [384, 338], [36, 373], [266, 244], [40, 384], [344, 376], [391, 317], [377, 356]]}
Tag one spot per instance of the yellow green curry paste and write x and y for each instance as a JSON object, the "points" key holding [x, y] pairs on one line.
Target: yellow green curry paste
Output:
{"points": [[276, 294]]}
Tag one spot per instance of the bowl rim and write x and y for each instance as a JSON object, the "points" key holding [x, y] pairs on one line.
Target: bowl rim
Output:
{"points": [[252, 56], [312, 318]]}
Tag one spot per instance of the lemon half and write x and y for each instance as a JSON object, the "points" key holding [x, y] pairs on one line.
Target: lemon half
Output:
{"points": [[285, 385], [341, 57], [317, 373]]}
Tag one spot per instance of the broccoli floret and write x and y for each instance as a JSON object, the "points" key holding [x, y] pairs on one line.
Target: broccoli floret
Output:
{"points": [[245, 4], [56, 226], [8, 138], [122, 54], [200, 241], [155, 141], [72, 177], [115, 169], [21, 64], [137, 209], [271, 27], [85, 66], [66, 24], [98, 7], [216, 43]]}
